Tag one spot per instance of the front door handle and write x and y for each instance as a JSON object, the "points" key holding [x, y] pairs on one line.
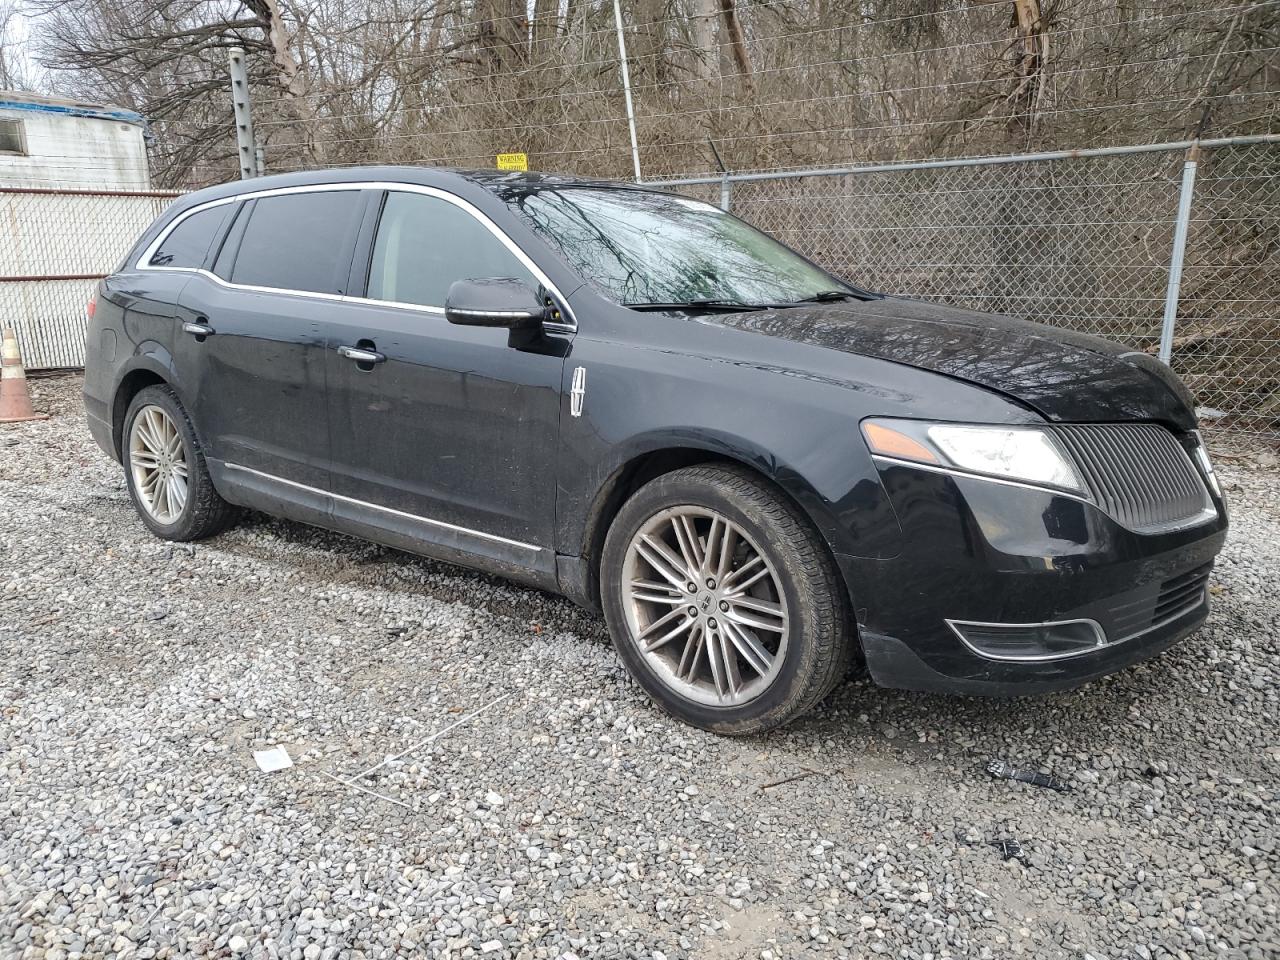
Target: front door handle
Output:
{"points": [[361, 355], [198, 330]]}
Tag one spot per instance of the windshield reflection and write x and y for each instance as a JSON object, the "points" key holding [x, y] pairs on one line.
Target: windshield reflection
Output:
{"points": [[640, 247]]}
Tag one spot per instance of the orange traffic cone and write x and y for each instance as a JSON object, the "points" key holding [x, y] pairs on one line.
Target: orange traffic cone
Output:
{"points": [[15, 398]]}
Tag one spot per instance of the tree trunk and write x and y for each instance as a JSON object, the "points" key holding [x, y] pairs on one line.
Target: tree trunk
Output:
{"points": [[1033, 59], [292, 76], [737, 43], [503, 33], [706, 50], [546, 17]]}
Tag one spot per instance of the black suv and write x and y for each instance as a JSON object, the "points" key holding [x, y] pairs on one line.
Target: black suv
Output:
{"points": [[756, 469]]}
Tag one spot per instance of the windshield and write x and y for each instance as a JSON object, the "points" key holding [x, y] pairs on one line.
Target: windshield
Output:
{"points": [[651, 248]]}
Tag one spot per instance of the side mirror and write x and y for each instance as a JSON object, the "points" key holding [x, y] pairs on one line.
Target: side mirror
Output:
{"points": [[493, 303]]}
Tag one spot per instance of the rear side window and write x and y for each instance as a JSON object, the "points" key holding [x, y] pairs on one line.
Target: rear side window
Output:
{"points": [[424, 244], [187, 244], [298, 241]]}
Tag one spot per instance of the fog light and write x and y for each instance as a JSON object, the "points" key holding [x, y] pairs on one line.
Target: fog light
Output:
{"points": [[1029, 641]]}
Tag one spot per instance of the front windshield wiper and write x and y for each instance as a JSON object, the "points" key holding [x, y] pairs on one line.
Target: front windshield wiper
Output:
{"points": [[709, 304], [835, 296]]}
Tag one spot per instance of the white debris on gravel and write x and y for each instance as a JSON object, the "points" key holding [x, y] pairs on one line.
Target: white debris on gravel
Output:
{"points": [[269, 761], [137, 677]]}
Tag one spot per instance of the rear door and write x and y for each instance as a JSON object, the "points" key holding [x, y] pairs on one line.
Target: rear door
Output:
{"points": [[150, 295], [252, 333], [452, 433]]}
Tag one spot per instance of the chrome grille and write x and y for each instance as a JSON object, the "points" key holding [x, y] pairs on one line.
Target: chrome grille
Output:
{"points": [[1137, 472]]}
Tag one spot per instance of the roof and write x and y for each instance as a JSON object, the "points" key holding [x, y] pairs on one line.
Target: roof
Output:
{"points": [[500, 182], [36, 103]]}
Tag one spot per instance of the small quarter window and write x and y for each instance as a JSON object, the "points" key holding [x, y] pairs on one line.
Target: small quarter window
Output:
{"points": [[187, 244], [11, 138], [424, 244], [298, 241]]}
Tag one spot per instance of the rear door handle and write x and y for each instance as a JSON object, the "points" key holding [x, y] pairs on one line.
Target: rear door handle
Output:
{"points": [[361, 355], [198, 329]]}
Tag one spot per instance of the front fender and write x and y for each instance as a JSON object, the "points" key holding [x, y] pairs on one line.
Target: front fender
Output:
{"points": [[802, 436]]}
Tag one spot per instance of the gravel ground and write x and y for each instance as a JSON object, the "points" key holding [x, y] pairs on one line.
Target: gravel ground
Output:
{"points": [[571, 818]]}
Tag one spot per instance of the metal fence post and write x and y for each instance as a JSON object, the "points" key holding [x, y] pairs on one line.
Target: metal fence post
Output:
{"points": [[243, 113], [626, 89], [726, 193], [1174, 289]]}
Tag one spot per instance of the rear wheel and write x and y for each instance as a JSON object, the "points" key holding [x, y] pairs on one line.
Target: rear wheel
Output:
{"points": [[165, 470], [723, 601]]}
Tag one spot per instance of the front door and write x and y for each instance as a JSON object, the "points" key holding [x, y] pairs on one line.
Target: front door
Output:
{"points": [[440, 431]]}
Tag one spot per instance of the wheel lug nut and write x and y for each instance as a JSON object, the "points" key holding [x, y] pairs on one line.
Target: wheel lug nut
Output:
{"points": [[691, 587], [724, 605], [711, 624], [693, 611], [711, 582]]}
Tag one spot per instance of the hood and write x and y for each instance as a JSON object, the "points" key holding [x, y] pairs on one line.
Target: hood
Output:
{"points": [[1065, 376]]}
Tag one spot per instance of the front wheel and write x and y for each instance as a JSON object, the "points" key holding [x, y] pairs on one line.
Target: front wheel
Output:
{"points": [[723, 601]]}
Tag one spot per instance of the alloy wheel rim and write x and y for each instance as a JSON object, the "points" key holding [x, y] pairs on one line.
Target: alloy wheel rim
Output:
{"points": [[158, 461], [704, 606]]}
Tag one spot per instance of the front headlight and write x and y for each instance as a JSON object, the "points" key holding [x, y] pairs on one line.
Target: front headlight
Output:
{"points": [[1026, 454], [1206, 465]]}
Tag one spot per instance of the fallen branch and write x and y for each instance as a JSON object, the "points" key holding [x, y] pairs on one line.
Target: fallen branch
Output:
{"points": [[806, 772], [372, 793], [1199, 336]]}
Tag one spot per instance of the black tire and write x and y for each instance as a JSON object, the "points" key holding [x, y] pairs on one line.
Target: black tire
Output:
{"points": [[819, 647], [205, 513]]}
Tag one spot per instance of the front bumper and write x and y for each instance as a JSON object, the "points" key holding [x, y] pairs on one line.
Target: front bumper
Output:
{"points": [[997, 553]]}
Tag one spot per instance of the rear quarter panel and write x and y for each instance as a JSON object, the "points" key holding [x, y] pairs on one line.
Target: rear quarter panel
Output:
{"points": [[132, 329]]}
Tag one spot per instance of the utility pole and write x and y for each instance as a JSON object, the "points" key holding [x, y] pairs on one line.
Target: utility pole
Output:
{"points": [[1180, 226], [626, 89], [243, 114]]}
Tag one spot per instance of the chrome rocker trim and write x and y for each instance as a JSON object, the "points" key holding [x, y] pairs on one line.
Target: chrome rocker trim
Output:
{"points": [[465, 531]]}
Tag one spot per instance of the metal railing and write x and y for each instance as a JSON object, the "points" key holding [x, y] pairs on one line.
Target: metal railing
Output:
{"points": [[1169, 248], [55, 244]]}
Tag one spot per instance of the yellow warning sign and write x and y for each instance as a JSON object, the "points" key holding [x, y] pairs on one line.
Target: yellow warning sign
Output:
{"points": [[513, 161]]}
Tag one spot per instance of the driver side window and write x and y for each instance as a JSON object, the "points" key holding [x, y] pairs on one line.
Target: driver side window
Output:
{"points": [[424, 244]]}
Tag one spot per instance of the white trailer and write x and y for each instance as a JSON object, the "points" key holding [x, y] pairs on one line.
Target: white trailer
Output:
{"points": [[75, 193], [48, 142]]}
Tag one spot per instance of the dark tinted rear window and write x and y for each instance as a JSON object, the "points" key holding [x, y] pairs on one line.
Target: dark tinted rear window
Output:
{"points": [[296, 241], [187, 245]]}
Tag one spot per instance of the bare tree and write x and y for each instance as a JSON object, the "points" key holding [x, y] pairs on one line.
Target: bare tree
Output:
{"points": [[810, 82], [13, 62]]}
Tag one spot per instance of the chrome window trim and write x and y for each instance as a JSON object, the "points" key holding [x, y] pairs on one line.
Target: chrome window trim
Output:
{"points": [[143, 260], [1098, 632], [1206, 515], [467, 531]]}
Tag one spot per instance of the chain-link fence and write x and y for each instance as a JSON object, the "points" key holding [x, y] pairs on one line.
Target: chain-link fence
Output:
{"points": [[1083, 240], [55, 244]]}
